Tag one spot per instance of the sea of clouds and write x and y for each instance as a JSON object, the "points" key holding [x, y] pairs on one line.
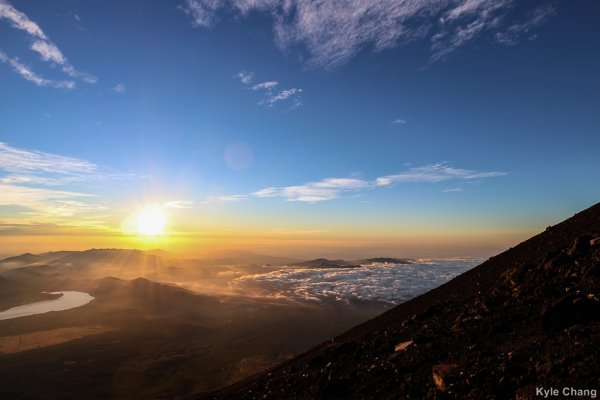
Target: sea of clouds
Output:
{"points": [[376, 282]]}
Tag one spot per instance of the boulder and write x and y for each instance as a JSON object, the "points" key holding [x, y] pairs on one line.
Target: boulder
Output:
{"points": [[580, 245], [403, 346], [444, 375]]}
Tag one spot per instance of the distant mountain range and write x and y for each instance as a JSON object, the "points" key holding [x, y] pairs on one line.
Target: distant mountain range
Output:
{"points": [[326, 263], [125, 258]]}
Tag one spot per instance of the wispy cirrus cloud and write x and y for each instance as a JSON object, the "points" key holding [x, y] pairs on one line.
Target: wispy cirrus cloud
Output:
{"points": [[23, 179], [202, 12], [13, 159], [333, 188], [28, 196], [119, 88], [20, 21], [452, 190], [42, 205], [335, 31], [33, 167], [265, 85], [42, 182], [41, 44], [179, 204], [325, 189], [232, 198], [284, 95], [399, 121], [31, 76], [435, 173], [270, 96], [48, 51], [245, 77], [514, 33], [464, 22]]}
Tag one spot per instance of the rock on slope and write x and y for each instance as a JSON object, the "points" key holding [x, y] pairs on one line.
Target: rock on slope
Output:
{"points": [[527, 318]]}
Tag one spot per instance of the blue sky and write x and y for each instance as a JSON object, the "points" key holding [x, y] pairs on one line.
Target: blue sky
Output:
{"points": [[469, 118]]}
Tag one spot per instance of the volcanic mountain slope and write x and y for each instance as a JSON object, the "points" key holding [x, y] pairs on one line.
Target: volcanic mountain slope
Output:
{"points": [[527, 318]]}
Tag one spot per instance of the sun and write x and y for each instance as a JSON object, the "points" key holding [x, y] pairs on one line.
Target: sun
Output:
{"points": [[150, 221]]}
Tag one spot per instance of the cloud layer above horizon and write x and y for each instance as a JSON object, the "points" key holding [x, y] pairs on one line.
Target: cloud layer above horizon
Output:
{"points": [[378, 282]]}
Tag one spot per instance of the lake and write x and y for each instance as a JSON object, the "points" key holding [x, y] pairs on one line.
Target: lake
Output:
{"points": [[67, 301]]}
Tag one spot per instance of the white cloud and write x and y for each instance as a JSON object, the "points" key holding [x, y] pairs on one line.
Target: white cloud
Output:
{"points": [[265, 85], [33, 179], [31, 76], [470, 7], [21, 179], [179, 204], [334, 31], [27, 196], [464, 22], [312, 192], [269, 97], [201, 11], [434, 173], [399, 121], [513, 34], [309, 193], [48, 51], [119, 88], [30, 167], [382, 282], [452, 190], [267, 192], [232, 198], [42, 45], [20, 21], [245, 77], [71, 71], [18, 160], [283, 95], [333, 188], [45, 203]]}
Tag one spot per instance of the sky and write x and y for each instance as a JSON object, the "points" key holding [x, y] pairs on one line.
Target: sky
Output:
{"points": [[301, 128]]}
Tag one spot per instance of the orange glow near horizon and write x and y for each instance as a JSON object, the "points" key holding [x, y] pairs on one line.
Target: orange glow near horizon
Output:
{"points": [[310, 245]]}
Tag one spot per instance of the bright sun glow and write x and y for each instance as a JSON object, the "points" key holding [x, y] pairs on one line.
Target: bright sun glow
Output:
{"points": [[150, 221]]}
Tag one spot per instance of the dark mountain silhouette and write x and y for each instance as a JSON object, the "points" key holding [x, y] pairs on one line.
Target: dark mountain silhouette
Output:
{"points": [[527, 318], [24, 258], [387, 260], [325, 263]]}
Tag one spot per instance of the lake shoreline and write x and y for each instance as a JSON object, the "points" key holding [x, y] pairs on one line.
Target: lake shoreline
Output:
{"points": [[66, 300]]}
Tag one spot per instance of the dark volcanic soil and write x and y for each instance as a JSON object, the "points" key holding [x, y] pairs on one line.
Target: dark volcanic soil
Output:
{"points": [[527, 318]]}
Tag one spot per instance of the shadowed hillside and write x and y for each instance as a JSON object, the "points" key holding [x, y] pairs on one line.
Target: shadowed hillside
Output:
{"points": [[526, 318]]}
